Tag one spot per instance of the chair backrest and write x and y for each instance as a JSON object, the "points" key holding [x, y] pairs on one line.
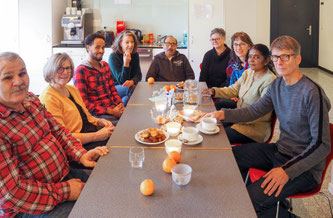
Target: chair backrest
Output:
{"points": [[200, 66]]}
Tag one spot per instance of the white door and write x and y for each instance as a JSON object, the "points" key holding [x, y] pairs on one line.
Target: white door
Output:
{"points": [[204, 15], [35, 43]]}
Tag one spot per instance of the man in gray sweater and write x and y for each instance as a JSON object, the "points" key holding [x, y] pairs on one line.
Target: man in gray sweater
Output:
{"points": [[296, 161]]}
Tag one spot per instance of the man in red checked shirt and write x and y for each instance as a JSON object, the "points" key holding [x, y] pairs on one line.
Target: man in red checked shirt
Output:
{"points": [[94, 80], [35, 177]]}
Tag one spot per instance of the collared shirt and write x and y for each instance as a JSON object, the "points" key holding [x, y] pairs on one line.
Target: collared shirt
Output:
{"points": [[34, 155], [96, 87]]}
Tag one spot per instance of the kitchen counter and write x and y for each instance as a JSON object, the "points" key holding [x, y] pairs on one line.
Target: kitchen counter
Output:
{"points": [[141, 45]]}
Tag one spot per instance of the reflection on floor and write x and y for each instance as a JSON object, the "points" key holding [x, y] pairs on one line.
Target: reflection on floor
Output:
{"points": [[316, 206]]}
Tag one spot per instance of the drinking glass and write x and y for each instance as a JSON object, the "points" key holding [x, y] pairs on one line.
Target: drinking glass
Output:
{"points": [[136, 157], [191, 102]]}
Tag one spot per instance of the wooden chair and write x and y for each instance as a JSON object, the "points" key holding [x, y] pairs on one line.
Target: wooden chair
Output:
{"points": [[256, 174]]}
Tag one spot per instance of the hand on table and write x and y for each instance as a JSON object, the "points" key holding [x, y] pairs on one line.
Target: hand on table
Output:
{"points": [[275, 179], [207, 91], [116, 111], [104, 133], [128, 83], [104, 122], [219, 115], [88, 159], [76, 186]]}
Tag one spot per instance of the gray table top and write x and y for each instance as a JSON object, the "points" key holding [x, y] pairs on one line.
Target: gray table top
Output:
{"points": [[144, 91], [136, 118], [216, 188]]}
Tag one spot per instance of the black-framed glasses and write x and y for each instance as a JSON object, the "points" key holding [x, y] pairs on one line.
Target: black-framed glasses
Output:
{"points": [[62, 69], [170, 44], [215, 39], [283, 57]]}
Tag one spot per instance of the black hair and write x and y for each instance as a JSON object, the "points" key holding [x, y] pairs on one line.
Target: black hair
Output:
{"points": [[91, 37], [264, 51]]}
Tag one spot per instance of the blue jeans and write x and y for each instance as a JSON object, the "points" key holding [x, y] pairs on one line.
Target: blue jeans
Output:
{"points": [[124, 93], [63, 209], [265, 157]]}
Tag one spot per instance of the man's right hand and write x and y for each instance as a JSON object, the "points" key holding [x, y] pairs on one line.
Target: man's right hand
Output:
{"points": [[219, 115], [76, 188], [104, 133], [116, 111]]}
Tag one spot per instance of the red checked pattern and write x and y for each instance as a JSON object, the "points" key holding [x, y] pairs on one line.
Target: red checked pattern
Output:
{"points": [[34, 153], [96, 88]]}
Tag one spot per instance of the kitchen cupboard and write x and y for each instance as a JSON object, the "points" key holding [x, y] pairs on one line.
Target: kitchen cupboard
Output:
{"points": [[38, 29]]}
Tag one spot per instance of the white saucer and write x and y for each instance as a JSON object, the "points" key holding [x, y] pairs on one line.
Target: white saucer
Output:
{"points": [[207, 132], [199, 140]]}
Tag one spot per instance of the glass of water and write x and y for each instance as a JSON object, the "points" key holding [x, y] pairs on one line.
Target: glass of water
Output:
{"points": [[136, 157]]}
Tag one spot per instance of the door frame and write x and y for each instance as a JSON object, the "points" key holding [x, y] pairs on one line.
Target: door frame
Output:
{"points": [[315, 28]]}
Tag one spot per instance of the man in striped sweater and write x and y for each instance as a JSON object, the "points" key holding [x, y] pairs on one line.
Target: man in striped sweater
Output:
{"points": [[296, 161]]}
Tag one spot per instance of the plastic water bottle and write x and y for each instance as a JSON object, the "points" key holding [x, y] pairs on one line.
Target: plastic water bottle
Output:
{"points": [[185, 38]]}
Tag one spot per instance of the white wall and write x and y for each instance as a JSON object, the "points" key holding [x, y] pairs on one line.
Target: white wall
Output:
{"points": [[9, 25], [325, 35], [252, 17]]}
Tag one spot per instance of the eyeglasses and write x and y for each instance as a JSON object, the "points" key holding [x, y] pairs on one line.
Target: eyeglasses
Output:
{"points": [[241, 45], [215, 39], [256, 57], [62, 69], [170, 44], [284, 57]]}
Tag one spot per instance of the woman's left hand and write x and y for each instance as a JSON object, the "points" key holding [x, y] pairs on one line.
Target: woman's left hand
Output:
{"points": [[104, 122], [128, 83]]}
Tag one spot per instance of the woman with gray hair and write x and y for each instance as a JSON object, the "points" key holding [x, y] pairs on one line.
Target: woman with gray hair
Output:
{"points": [[215, 61], [65, 103], [125, 65]]}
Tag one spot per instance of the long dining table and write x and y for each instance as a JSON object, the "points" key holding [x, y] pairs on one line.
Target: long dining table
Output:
{"points": [[216, 188]]}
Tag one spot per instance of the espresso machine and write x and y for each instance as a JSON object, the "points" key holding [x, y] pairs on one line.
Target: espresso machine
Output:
{"points": [[76, 27]]}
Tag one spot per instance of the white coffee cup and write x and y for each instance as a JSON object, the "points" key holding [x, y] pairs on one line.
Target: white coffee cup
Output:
{"points": [[208, 123], [190, 133]]}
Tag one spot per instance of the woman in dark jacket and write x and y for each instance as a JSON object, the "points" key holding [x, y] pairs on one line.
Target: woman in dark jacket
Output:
{"points": [[125, 65], [215, 61]]}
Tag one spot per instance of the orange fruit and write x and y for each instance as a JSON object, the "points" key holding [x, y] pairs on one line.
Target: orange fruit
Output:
{"points": [[151, 80], [147, 187], [175, 155], [168, 163], [173, 87], [166, 87]]}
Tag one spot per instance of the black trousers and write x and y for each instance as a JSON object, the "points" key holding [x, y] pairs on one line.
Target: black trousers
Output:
{"points": [[265, 157]]}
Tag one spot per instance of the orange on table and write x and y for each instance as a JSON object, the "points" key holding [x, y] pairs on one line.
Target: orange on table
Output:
{"points": [[166, 87], [175, 155], [151, 80], [147, 187], [168, 163], [173, 87]]}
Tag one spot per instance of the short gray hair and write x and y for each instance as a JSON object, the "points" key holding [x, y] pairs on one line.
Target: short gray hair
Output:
{"points": [[170, 36], [9, 56], [219, 31], [286, 42], [53, 64]]}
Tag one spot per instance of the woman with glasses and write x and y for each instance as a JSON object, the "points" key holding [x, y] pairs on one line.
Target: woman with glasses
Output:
{"points": [[125, 65], [64, 102], [253, 84], [215, 61]]}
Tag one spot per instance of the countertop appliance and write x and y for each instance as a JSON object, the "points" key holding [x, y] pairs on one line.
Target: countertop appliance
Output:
{"points": [[76, 28]]}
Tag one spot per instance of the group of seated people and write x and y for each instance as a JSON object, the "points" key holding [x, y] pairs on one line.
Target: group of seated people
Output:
{"points": [[49, 143]]}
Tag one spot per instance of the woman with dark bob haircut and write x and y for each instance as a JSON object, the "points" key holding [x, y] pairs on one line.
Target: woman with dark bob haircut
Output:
{"points": [[253, 84], [65, 103], [125, 65]]}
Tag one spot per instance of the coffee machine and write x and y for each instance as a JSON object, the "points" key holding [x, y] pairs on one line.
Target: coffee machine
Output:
{"points": [[76, 27]]}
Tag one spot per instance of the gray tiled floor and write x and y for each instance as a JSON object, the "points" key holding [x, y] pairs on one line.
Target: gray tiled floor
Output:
{"points": [[316, 206]]}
